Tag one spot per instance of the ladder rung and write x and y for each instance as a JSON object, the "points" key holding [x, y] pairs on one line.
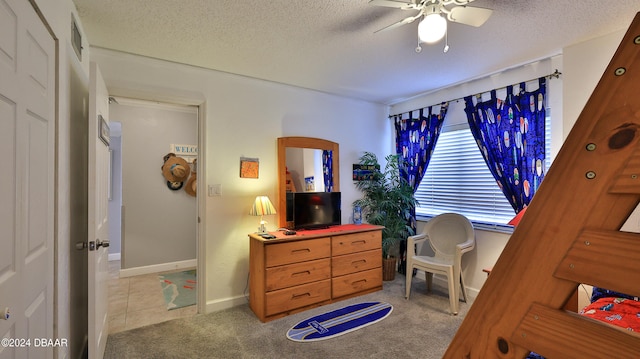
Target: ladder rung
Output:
{"points": [[604, 258], [556, 333], [629, 179]]}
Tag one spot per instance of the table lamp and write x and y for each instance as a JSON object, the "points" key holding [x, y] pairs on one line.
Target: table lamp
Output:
{"points": [[262, 206]]}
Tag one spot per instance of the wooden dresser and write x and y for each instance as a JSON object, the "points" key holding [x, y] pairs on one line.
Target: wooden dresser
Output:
{"points": [[290, 274]]}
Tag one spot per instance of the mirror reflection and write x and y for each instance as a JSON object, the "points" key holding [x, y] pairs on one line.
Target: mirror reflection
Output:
{"points": [[305, 164], [305, 171]]}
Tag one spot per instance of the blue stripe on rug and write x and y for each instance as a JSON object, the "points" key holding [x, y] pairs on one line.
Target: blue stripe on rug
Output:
{"points": [[339, 321]]}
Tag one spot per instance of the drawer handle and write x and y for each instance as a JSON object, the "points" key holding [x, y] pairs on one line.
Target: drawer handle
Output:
{"points": [[355, 263], [296, 296], [362, 241], [301, 250], [359, 281], [306, 272]]}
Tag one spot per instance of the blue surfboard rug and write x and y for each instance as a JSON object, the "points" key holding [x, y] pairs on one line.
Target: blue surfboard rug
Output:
{"points": [[340, 321]]}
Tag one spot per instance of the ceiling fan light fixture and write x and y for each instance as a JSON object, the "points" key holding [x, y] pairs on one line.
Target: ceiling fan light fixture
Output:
{"points": [[432, 28]]}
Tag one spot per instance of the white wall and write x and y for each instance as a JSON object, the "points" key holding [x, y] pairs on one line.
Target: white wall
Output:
{"points": [[72, 86], [585, 63], [243, 117], [159, 224]]}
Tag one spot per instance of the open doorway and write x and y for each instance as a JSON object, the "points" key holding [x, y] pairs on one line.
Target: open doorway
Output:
{"points": [[154, 223]]}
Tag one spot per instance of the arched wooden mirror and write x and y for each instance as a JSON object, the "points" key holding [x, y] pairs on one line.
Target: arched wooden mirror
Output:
{"points": [[292, 145]]}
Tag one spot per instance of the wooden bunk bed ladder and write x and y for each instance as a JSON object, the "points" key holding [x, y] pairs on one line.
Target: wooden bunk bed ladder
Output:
{"points": [[571, 235]]}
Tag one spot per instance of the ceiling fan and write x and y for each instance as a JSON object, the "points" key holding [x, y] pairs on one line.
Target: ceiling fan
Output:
{"points": [[435, 13]]}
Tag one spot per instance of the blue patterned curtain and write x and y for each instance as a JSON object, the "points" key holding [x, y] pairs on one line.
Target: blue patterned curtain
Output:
{"points": [[415, 140], [511, 138], [327, 169]]}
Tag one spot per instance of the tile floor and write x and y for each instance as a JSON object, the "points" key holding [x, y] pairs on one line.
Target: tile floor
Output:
{"points": [[137, 301]]}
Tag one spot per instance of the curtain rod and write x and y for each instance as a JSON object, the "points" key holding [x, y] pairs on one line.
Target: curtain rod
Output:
{"points": [[556, 74]]}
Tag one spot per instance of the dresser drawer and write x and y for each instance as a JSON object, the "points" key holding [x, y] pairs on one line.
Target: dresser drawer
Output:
{"points": [[299, 273], [295, 297], [277, 254], [353, 283], [356, 242], [356, 262]]}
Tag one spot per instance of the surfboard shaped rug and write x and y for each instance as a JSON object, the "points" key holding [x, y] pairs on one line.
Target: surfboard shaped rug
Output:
{"points": [[340, 321]]}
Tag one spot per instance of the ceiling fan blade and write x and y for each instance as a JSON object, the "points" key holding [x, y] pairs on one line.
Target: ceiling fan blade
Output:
{"points": [[404, 21], [403, 5], [473, 16]]}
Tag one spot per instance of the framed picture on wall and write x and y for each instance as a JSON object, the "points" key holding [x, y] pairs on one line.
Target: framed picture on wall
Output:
{"points": [[249, 167], [103, 130], [364, 172]]}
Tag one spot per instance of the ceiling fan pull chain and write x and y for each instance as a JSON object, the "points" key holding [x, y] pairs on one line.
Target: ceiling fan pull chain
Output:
{"points": [[446, 42]]}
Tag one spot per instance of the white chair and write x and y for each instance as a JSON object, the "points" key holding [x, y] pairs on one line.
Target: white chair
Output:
{"points": [[450, 236]]}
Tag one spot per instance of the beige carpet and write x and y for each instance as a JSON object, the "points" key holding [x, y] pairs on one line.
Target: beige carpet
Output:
{"points": [[418, 328]]}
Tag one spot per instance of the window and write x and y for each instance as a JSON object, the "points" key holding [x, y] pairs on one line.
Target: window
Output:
{"points": [[458, 180]]}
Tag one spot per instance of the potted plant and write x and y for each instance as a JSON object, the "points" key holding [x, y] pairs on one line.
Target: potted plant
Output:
{"points": [[388, 201]]}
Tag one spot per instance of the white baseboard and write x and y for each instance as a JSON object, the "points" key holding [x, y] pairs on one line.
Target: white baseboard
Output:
{"points": [[473, 294], [155, 268], [114, 257], [221, 304]]}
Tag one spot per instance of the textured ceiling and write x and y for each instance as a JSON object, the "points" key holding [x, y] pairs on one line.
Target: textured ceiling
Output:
{"points": [[330, 45]]}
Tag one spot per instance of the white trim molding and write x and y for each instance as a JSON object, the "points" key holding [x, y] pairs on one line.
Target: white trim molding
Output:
{"points": [[156, 268]]}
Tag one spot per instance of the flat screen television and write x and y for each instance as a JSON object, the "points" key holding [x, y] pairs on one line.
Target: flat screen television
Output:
{"points": [[313, 210]]}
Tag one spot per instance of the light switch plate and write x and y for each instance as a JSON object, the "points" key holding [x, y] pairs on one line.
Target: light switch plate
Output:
{"points": [[215, 190]]}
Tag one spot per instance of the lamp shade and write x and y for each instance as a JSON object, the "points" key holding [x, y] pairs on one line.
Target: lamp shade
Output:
{"points": [[262, 206], [432, 28]]}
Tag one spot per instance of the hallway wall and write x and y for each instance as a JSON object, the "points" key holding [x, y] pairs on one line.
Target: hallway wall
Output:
{"points": [[159, 224]]}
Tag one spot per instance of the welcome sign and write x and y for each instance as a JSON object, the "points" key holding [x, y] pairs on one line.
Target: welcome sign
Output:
{"points": [[184, 150], [188, 152]]}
